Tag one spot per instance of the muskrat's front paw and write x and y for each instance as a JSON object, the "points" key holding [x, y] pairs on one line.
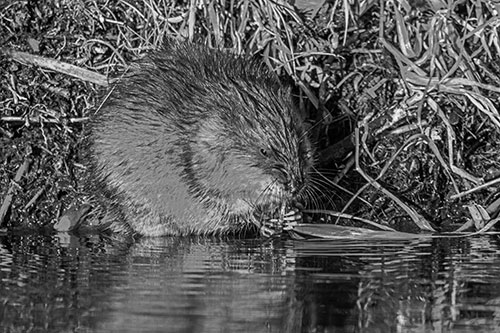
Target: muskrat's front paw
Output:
{"points": [[275, 226], [291, 219], [266, 232], [271, 227]]}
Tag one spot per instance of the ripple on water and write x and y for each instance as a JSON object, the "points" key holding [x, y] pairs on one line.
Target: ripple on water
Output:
{"points": [[213, 285]]}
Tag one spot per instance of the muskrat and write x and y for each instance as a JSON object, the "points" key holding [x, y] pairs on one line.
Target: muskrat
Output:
{"points": [[194, 140]]}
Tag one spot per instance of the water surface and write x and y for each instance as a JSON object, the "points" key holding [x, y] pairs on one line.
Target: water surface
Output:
{"points": [[55, 284]]}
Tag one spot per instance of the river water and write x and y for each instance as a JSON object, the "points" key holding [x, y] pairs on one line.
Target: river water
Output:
{"points": [[59, 284]]}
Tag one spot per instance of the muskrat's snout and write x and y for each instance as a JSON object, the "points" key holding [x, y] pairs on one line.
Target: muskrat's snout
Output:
{"points": [[293, 184]]}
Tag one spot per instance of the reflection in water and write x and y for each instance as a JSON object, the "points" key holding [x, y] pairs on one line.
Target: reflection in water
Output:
{"points": [[214, 285]]}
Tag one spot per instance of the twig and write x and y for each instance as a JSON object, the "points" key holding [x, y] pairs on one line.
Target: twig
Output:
{"points": [[347, 216], [35, 119], [475, 189], [10, 193], [35, 197], [58, 66], [351, 200]]}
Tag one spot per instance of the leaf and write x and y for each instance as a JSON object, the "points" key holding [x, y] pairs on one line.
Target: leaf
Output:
{"points": [[479, 215], [335, 232], [72, 218]]}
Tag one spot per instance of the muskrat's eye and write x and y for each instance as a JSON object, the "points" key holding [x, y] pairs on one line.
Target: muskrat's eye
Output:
{"points": [[263, 152]]}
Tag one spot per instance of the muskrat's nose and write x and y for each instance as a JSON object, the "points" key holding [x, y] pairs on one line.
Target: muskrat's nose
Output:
{"points": [[291, 182], [292, 186]]}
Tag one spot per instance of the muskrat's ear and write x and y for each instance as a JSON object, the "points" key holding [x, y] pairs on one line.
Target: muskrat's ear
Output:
{"points": [[287, 81]]}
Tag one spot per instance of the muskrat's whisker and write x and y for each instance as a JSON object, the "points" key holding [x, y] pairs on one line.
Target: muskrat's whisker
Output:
{"points": [[267, 191], [307, 196], [333, 183], [317, 185], [314, 191], [324, 189], [325, 172], [321, 184]]}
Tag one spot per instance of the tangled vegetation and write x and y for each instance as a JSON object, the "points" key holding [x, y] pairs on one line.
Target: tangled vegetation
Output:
{"points": [[403, 96]]}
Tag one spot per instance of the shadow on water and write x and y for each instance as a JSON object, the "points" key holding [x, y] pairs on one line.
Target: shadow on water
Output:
{"points": [[214, 285]]}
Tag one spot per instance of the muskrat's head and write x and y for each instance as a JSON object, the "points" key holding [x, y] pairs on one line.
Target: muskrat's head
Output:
{"points": [[252, 152]]}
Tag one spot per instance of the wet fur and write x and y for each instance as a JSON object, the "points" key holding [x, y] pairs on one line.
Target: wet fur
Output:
{"points": [[195, 141]]}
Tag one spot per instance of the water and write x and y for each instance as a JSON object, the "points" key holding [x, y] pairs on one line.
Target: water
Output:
{"points": [[57, 284]]}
